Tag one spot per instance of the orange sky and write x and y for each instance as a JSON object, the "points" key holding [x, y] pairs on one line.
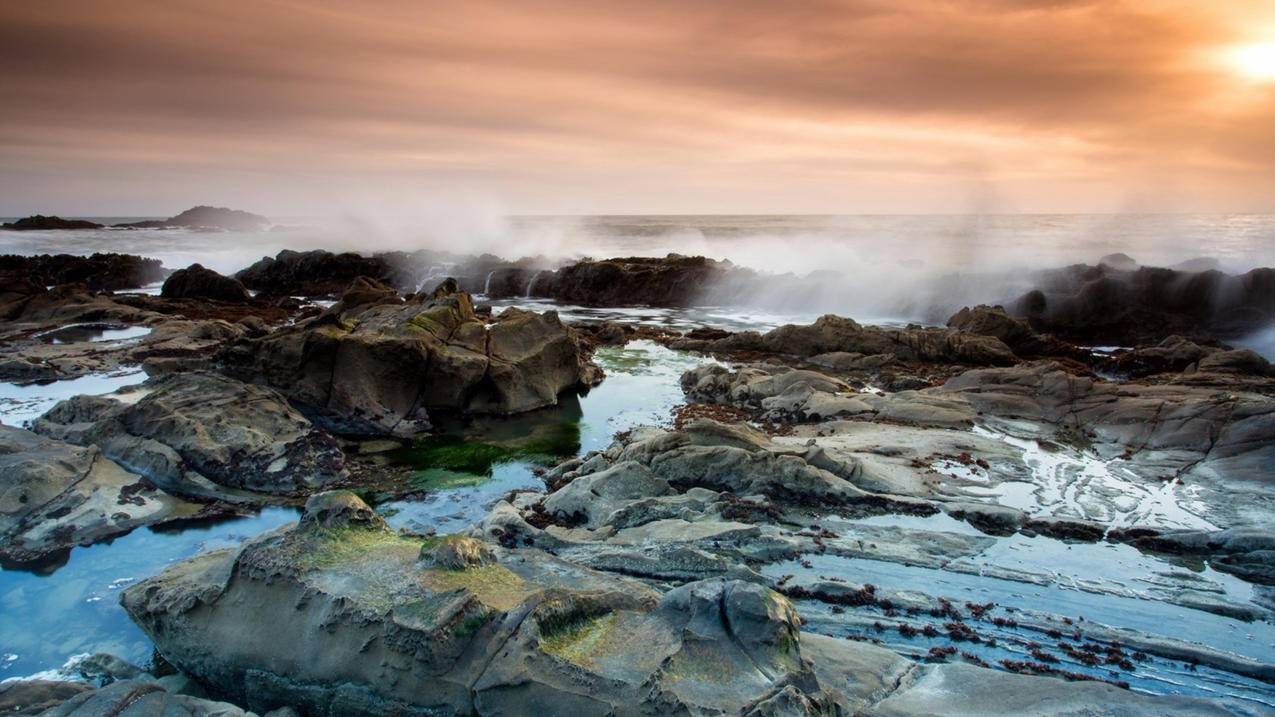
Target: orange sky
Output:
{"points": [[890, 106]]}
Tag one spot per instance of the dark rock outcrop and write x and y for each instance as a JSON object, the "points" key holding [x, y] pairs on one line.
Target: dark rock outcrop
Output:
{"points": [[196, 282], [99, 272], [1016, 333], [381, 369], [1108, 305], [42, 222], [313, 273]]}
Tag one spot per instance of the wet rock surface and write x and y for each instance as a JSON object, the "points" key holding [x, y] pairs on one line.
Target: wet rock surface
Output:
{"points": [[55, 495], [382, 368], [196, 433]]}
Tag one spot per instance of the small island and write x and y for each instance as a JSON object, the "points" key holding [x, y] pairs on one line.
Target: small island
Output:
{"points": [[200, 217], [40, 221]]}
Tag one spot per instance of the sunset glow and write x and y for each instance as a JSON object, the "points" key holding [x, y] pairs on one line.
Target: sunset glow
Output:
{"points": [[559, 107]]}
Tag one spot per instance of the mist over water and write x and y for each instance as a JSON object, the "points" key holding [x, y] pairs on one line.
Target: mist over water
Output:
{"points": [[919, 267]]}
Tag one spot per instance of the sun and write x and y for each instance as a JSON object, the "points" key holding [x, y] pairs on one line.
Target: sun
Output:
{"points": [[1256, 61]]}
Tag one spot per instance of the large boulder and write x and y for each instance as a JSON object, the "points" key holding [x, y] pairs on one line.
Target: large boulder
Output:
{"points": [[54, 495], [1015, 332], [345, 619], [200, 433], [196, 282], [383, 369]]}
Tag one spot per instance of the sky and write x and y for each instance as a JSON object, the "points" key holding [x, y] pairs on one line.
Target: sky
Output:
{"points": [[289, 108]]}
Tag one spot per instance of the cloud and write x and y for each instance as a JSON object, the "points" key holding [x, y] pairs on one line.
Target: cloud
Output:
{"points": [[587, 106]]}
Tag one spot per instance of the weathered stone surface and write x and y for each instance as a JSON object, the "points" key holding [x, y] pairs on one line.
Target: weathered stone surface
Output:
{"points": [[196, 282], [31, 697], [774, 392], [317, 617], [140, 698], [54, 495], [197, 433], [382, 370], [966, 691], [832, 334]]}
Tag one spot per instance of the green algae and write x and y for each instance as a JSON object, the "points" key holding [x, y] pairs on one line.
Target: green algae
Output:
{"points": [[583, 642], [460, 459], [496, 586]]}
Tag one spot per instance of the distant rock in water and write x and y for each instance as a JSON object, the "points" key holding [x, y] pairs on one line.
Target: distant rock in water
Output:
{"points": [[313, 273], [1104, 305], [673, 280], [206, 217], [196, 282], [39, 221], [99, 272]]}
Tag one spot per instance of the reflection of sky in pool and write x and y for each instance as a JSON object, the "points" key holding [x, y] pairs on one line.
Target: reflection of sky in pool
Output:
{"points": [[93, 333], [22, 404], [45, 620], [641, 389]]}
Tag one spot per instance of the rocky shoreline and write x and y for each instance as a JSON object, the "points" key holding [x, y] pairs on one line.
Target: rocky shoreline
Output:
{"points": [[736, 541]]}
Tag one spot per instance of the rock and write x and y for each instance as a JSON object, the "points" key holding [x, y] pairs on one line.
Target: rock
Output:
{"points": [[835, 334], [994, 321], [54, 495], [99, 272], [103, 668], [313, 273], [337, 509], [958, 690], [140, 698], [31, 697], [488, 636], [1174, 353], [42, 222], [198, 433], [1105, 305], [775, 393], [196, 282], [673, 280], [205, 217], [1119, 262], [384, 369], [456, 552]]}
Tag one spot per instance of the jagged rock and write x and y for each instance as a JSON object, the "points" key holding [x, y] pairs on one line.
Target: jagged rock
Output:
{"points": [[456, 552], [673, 280], [196, 282], [384, 369], [99, 272], [196, 433], [54, 495], [313, 273], [42, 222], [994, 321]]}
